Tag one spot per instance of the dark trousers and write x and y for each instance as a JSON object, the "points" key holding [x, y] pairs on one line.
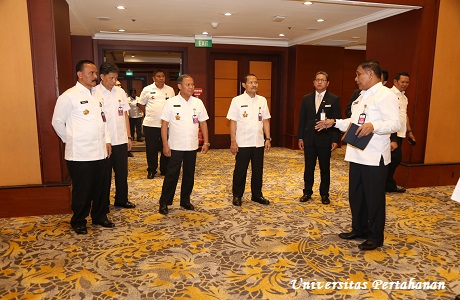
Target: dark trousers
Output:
{"points": [[311, 153], [89, 192], [242, 159], [178, 158], [118, 161], [153, 144], [367, 199], [135, 125], [396, 158]]}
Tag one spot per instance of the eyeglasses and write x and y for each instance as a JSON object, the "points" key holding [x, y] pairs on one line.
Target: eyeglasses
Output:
{"points": [[320, 80]]}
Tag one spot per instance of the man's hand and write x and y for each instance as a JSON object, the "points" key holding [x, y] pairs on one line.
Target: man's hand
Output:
{"points": [[301, 145], [130, 144], [393, 146], [365, 129], [334, 146], [324, 124], [234, 148], [268, 145], [204, 148], [166, 151], [109, 149]]}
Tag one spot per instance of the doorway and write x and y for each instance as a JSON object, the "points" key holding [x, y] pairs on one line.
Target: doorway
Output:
{"points": [[226, 73]]}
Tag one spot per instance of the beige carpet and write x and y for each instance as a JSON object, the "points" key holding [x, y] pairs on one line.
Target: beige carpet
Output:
{"points": [[287, 250]]}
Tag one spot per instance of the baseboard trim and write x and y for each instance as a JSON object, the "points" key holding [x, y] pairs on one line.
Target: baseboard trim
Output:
{"points": [[22, 201]]}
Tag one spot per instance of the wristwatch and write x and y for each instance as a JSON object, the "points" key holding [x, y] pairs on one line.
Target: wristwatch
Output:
{"points": [[268, 139], [207, 144], [130, 138]]}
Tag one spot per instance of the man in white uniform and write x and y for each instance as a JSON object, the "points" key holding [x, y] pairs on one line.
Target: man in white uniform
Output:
{"points": [[249, 121], [401, 83], [116, 107], [152, 101], [79, 120], [183, 115], [375, 111]]}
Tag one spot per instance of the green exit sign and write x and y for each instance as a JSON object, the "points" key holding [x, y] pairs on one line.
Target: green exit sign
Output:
{"points": [[203, 43]]}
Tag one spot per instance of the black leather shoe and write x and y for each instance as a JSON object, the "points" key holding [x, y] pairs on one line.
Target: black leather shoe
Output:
{"points": [[130, 154], [396, 190], [305, 198], [352, 235], [80, 230], [106, 224], [140, 140], [260, 200], [188, 206], [325, 200], [125, 205], [368, 245], [150, 175], [163, 209], [236, 201]]}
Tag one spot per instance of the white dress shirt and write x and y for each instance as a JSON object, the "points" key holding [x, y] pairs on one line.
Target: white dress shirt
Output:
{"points": [[381, 108], [246, 112], [113, 101], [134, 111], [180, 113], [403, 101], [78, 122], [154, 99]]}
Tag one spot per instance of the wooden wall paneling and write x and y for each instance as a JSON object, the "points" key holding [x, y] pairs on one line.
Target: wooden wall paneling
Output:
{"points": [[226, 69], [20, 160], [444, 105], [262, 69], [225, 87], [221, 106], [222, 126], [351, 59], [82, 48]]}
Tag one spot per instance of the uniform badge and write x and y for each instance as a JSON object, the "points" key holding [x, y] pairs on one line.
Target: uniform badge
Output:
{"points": [[245, 114], [85, 112], [153, 97], [177, 116]]}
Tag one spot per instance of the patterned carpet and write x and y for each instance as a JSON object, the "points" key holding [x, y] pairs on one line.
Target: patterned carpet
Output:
{"points": [[287, 250]]}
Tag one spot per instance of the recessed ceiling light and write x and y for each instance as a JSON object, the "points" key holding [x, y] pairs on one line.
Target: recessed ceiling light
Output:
{"points": [[281, 34], [121, 7], [204, 32], [103, 18], [355, 37], [133, 55], [121, 30], [308, 3], [320, 20], [227, 14]]}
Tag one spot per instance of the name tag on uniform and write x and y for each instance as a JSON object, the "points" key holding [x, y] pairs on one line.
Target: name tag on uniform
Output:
{"points": [[176, 105], [244, 106], [84, 102], [327, 105]]}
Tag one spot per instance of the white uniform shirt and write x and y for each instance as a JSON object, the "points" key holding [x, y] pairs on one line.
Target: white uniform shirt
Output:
{"points": [[381, 108], [249, 114], [134, 111], [115, 105], [78, 122], [154, 99], [402, 111], [183, 130]]}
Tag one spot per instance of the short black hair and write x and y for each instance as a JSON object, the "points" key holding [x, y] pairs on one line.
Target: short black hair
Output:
{"points": [[158, 71], [81, 63], [182, 77], [133, 90], [245, 77], [322, 73], [108, 67], [398, 75], [372, 65], [385, 75]]}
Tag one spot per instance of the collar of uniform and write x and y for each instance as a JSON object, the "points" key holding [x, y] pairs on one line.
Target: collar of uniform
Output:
{"points": [[182, 98], [249, 97], [82, 88], [395, 90], [375, 87]]}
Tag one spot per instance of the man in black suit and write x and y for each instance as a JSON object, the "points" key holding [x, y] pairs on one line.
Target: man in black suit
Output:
{"points": [[317, 106]]}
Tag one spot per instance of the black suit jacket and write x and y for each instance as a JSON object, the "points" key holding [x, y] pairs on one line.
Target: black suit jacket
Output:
{"points": [[308, 118]]}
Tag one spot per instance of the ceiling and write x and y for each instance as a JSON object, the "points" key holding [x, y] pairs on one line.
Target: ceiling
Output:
{"points": [[257, 22]]}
